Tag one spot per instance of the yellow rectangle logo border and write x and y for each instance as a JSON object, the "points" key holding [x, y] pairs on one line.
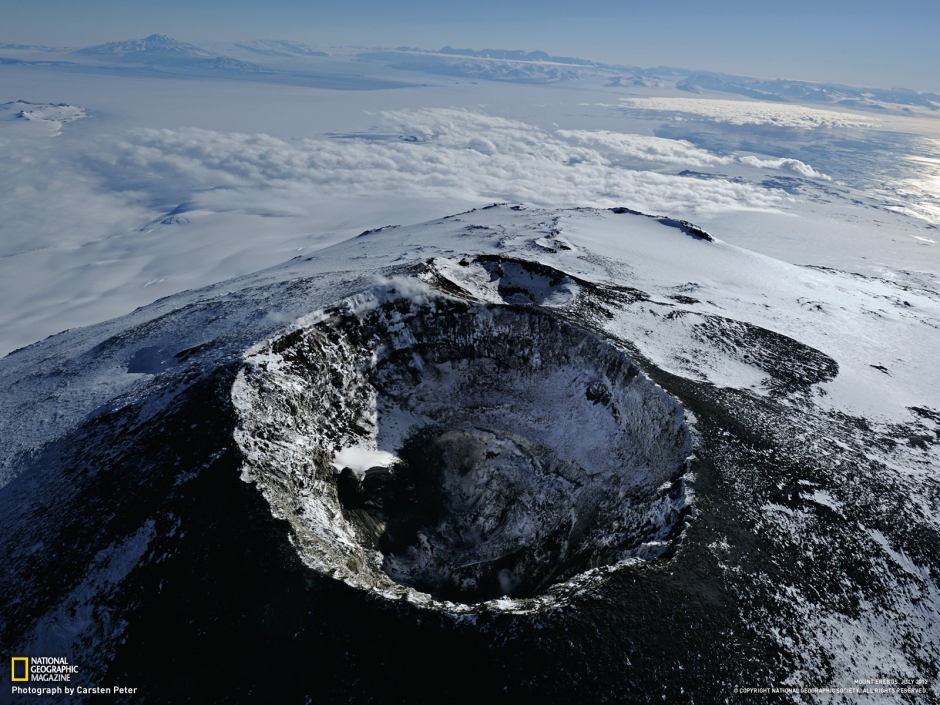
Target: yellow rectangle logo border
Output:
{"points": [[13, 661]]}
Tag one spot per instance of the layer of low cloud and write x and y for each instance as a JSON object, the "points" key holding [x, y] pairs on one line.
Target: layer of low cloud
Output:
{"points": [[440, 153], [744, 112], [642, 148]]}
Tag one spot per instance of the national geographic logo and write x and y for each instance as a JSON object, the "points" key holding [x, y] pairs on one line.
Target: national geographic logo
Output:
{"points": [[41, 668], [51, 675]]}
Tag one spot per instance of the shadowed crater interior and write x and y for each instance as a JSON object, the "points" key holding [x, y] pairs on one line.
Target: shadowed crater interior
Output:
{"points": [[460, 451]]}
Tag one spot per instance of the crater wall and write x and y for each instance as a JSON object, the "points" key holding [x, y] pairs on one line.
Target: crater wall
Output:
{"points": [[457, 453]]}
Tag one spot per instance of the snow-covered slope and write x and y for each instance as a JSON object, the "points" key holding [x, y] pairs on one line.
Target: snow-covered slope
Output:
{"points": [[223, 471]]}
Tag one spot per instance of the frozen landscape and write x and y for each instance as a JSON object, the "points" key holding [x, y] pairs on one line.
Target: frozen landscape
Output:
{"points": [[326, 367]]}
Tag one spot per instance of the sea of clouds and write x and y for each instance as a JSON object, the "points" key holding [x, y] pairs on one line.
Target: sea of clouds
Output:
{"points": [[450, 154], [96, 225]]}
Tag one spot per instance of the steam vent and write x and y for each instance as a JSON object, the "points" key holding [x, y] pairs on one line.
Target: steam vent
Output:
{"points": [[455, 453]]}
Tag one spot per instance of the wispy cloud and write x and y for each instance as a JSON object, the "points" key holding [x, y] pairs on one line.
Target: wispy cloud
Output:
{"points": [[644, 148], [629, 150], [793, 165]]}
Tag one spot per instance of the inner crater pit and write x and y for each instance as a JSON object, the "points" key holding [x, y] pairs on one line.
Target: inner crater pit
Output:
{"points": [[460, 452]]}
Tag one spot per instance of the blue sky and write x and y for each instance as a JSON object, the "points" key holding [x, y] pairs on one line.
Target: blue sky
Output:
{"points": [[862, 43]]}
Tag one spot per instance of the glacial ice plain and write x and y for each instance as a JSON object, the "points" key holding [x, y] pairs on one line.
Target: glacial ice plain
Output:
{"points": [[280, 435]]}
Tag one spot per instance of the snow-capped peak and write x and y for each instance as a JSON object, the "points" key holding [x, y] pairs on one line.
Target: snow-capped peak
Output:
{"points": [[156, 45]]}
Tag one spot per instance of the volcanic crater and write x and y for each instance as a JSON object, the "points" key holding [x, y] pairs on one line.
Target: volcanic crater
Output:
{"points": [[457, 453]]}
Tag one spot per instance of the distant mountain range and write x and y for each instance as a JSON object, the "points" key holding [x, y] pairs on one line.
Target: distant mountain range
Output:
{"points": [[280, 47], [513, 65], [30, 47], [516, 55], [539, 67], [163, 50], [474, 67], [783, 90]]}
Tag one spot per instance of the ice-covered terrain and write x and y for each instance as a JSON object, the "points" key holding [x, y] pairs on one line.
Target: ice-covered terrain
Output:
{"points": [[479, 426], [46, 119], [320, 402]]}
